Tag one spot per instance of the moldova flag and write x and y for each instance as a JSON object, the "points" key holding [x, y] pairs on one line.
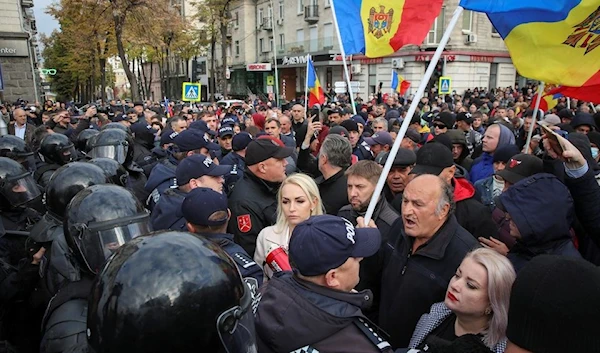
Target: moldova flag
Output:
{"points": [[379, 28], [315, 91], [399, 84], [556, 42]]}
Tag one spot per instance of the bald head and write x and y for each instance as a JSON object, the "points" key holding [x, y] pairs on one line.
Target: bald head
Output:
{"points": [[427, 203], [298, 113], [20, 116]]}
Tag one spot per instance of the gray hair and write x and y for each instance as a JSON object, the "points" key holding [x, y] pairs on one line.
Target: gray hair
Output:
{"points": [[338, 150], [382, 121], [447, 198]]}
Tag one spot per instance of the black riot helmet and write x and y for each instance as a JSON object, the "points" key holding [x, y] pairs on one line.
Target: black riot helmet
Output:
{"points": [[115, 126], [14, 148], [101, 218], [113, 143], [116, 173], [67, 181], [170, 292], [17, 185], [81, 142], [57, 149]]}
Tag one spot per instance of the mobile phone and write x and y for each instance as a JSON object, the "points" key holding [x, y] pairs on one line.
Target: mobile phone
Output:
{"points": [[314, 112], [553, 138]]}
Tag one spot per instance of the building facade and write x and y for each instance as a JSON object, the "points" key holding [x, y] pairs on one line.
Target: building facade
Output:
{"points": [[262, 30], [19, 52]]}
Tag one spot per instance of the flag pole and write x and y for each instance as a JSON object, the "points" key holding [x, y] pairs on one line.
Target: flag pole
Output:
{"points": [[337, 30], [306, 88], [593, 107], [535, 113], [274, 26], [569, 103], [391, 82], [411, 111]]}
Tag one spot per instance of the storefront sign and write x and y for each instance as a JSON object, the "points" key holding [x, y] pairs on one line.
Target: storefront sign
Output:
{"points": [[482, 59], [293, 60], [259, 67], [371, 61], [427, 57], [13, 47]]}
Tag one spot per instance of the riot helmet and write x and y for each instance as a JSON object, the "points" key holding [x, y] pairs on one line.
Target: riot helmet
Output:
{"points": [[57, 149], [15, 148], [81, 142], [17, 186], [116, 173], [115, 126], [101, 218], [67, 181], [113, 143], [170, 292]]}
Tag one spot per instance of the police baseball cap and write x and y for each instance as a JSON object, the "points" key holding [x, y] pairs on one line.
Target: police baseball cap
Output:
{"points": [[323, 243], [202, 126], [380, 138], [168, 136], [201, 205], [264, 148], [433, 158], [225, 131], [190, 140], [142, 128], [196, 166], [241, 141], [228, 121]]}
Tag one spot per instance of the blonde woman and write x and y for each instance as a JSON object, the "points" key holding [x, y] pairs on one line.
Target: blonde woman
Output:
{"points": [[476, 303], [297, 200]]}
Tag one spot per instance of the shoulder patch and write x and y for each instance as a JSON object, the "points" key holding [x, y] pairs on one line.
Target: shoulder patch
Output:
{"points": [[243, 260], [244, 223]]}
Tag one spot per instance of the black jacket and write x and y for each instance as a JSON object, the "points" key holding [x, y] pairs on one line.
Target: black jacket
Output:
{"points": [[294, 314], [253, 205], [411, 283], [334, 192], [586, 193]]}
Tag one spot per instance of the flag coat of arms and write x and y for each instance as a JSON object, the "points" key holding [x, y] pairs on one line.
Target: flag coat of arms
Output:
{"points": [[379, 28], [315, 91], [556, 42]]}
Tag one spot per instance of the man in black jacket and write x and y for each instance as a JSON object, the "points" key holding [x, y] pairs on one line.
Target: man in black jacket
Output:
{"points": [[143, 142], [418, 268], [314, 309], [253, 201]]}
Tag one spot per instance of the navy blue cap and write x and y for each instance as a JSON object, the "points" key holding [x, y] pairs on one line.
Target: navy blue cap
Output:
{"points": [[322, 243], [190, 139], [262, 149], [202, 203], [121, 117], [201, 125], [241, 141], [198, 165], [229, 121], [359, 120], [167, 136], [226, 131], [142, 128]]}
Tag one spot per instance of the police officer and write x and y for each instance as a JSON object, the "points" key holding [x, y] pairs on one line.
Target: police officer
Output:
{"points": [[55, 151], [15, 148], [82, 140], [170, 292], [118, 145], [193, 172], [97, 222], [143, 140], [162, 177], [115, 172], [236, 159], [206, 213]]}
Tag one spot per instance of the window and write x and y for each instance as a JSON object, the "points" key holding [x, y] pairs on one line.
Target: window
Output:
{"points": [[281, 40], [261, 45], [300, 7], [467, 21], [260, 17], [281, 10], [236, 20], [300, 36], [271, 44], [437, 30], [327, 3], [328, 36], [237, 48]]}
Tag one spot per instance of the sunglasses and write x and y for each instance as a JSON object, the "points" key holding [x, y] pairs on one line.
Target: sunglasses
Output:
{"points": [[440, 126]]}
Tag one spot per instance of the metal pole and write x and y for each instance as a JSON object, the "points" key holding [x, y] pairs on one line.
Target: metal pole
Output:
{"points": [[411, 111], [306, 89], [535, 113], [337, 29], [274, 24]]}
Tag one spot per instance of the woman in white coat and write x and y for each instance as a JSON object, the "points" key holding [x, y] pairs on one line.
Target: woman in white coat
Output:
{"points": [[297, 200]]}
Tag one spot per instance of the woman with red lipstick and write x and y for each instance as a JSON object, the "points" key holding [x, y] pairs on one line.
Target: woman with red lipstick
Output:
{"points": [[297, 200], [476, 303]]}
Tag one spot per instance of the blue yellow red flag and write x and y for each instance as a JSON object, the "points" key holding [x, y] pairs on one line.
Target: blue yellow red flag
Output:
{"points": [[379, 28], [315, 91], [399, 84], [556, 42]]}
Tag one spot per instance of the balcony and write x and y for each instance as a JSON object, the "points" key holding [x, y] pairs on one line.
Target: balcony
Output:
{"points": [[267, 24], [311, 13], [27, 3], [327, 45]]}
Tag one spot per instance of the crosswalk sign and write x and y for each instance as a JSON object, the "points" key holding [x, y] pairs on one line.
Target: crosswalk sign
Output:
{"points": [[191, 92], [445, 86]]}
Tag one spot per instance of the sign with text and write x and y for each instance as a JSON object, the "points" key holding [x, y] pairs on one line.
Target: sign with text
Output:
{"points": [[258, 67], [13, 47]]}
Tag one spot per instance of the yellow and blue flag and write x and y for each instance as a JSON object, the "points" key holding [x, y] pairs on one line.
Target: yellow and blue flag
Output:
{"points": [[379, 28], [556, 42]]}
